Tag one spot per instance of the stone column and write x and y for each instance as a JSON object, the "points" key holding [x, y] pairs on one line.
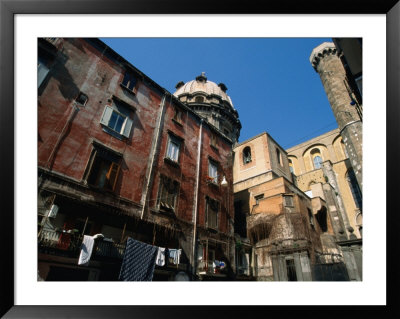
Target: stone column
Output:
{"points": [[275, 267], [282, 268], [327, 63], [305, 266], [299, 268]]}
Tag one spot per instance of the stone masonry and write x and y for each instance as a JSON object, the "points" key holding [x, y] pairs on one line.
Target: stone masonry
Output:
{"points": [[327, 63]]}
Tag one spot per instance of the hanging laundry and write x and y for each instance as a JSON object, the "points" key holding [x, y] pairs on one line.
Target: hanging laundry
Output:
{"points": [[138, 262], [86, 250], [160, 260], [175, 255]]}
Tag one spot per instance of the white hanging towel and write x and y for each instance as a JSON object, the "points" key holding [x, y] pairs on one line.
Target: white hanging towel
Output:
{"points": [[86, 250], [160, 259], [175, 254]]}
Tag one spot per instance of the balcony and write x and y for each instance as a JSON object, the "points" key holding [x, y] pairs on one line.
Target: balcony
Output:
{"points": [[62, 243], [105, 249], [68, 244]]}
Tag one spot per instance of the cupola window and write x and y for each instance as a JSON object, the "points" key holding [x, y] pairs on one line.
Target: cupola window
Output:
{"points": [[199, 99]]}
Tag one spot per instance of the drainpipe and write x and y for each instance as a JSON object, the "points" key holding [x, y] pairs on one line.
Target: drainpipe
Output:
{"points": [[196, 195], [153, 156]]}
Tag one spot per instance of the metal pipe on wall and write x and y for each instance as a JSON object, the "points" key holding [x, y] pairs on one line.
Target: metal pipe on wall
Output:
{"points": [[196, 195]]}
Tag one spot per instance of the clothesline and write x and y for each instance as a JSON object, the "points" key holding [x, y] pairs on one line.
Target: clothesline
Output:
{"points": [[139, 258]]}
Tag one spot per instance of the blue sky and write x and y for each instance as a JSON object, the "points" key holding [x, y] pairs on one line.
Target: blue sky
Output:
{"points": [[270, 80]]}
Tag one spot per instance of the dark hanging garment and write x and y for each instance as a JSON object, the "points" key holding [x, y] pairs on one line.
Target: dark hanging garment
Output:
{"points": [[138, 262]]}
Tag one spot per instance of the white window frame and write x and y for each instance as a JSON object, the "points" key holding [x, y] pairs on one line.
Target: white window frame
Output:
{"points": [[126, 126], [173, 149], [213, 171]]}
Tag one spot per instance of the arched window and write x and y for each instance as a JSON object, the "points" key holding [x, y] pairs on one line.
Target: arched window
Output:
{"points": [[246, 155], [355, 189], [316, 157]]}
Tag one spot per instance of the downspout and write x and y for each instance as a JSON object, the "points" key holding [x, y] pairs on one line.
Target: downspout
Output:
{"points": [[196, 195], [153, 156]]}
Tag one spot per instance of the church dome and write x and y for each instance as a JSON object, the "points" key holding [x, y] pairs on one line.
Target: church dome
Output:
{"points": [[210, 101], [201, 86]]}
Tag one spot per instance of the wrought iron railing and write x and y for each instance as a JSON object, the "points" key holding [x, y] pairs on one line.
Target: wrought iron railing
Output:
{"points": [[51, 241], [108, 249]]}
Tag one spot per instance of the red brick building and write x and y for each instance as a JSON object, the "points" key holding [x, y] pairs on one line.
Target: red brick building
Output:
{"points": [[120, 156]]}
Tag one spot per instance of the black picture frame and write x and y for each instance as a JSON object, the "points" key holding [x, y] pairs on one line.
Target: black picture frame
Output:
{"points": [[8, 10]]}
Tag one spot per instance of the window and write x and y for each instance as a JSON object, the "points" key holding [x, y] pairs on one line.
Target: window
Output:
{"points": [[246, 155], [82, 99], [355, 189], [173, 147], [258, 198], [199, 99], [103, 169], [288, 201], [317, 162], [212, 207], [167, 194], [213, 171], [129, 81], [291, 166], [291, 270], [316, 157], [177, 115], [116, 119], [279, 157], [213, 140], [42, 71]]}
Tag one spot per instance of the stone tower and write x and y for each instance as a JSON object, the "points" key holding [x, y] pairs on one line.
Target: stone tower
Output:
{"points": [[210, 101], [326, 61]]}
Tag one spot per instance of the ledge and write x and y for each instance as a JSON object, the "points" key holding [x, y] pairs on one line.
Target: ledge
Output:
{"points": [[177, 122]]}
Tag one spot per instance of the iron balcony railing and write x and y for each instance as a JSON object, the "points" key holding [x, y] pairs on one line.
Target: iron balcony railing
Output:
{"points": [[59, 242], [68, 244]]}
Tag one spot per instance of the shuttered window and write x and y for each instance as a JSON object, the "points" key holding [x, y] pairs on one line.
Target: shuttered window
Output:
{"points": [[116, 119], [212, 207], [168, 192], [103, 169]]}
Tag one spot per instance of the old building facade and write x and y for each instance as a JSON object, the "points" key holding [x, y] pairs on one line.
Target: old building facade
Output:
{"points": [[120, 156], [321, 168], [291, 234]]}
